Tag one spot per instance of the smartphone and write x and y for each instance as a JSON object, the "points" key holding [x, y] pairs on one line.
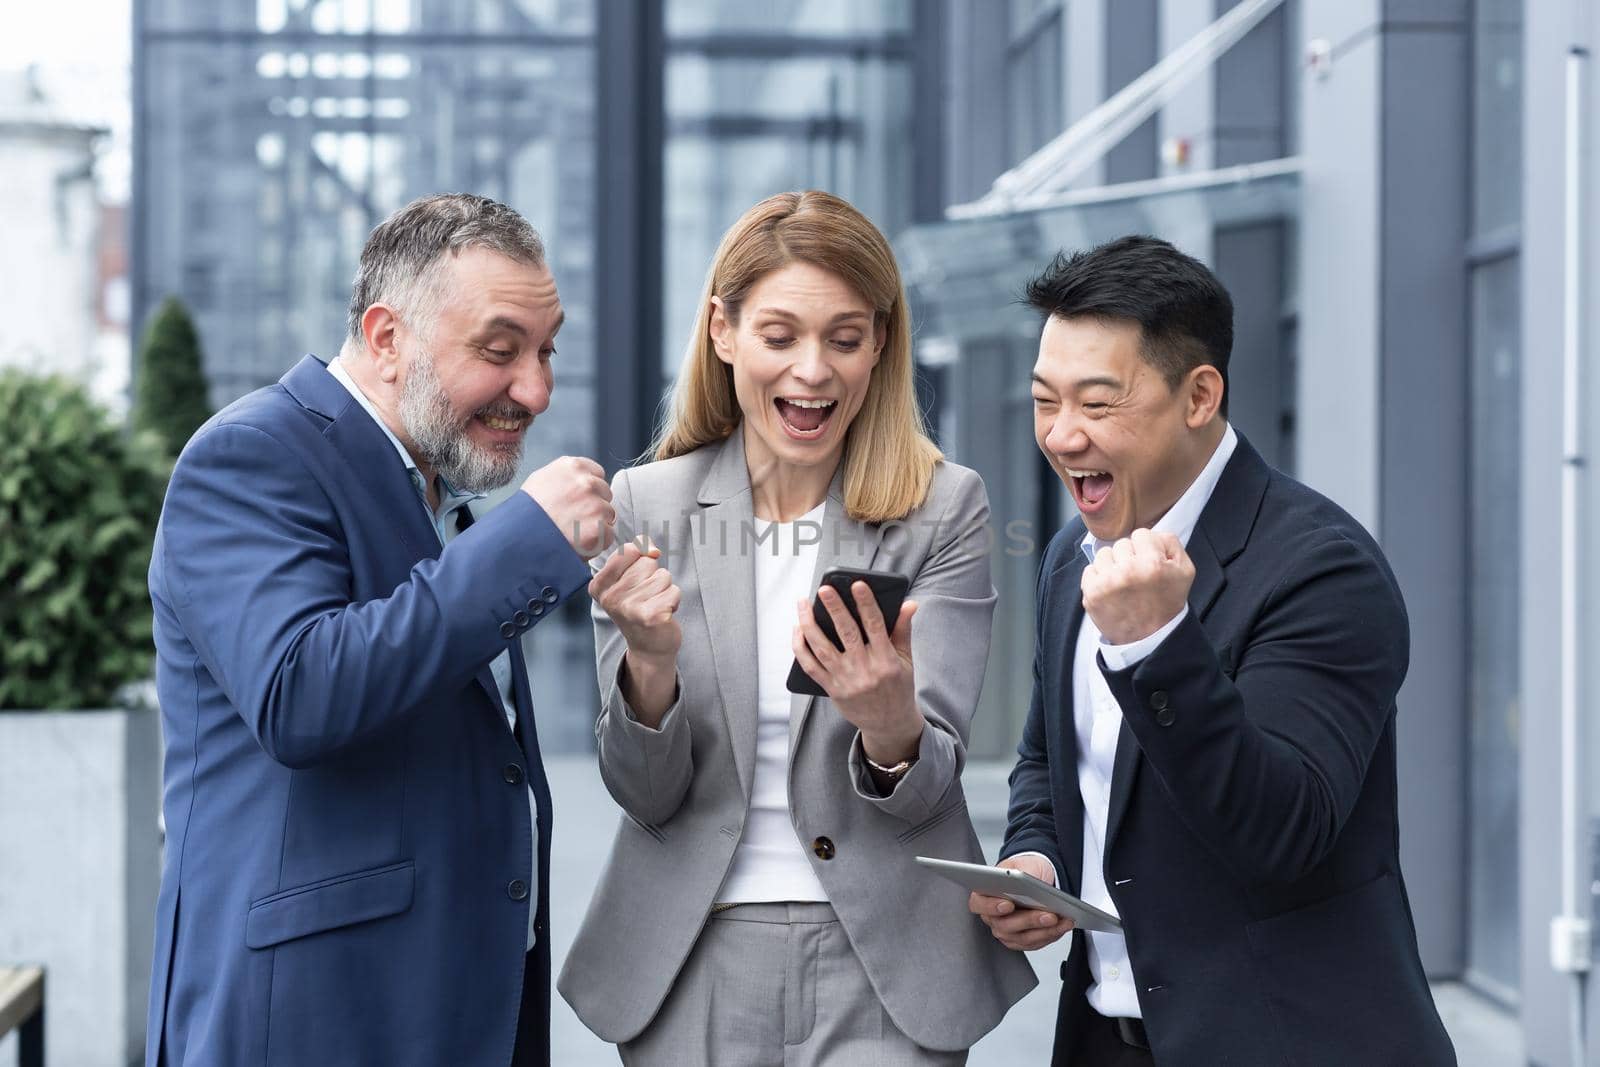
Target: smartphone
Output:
{"points": [[888, 589]]}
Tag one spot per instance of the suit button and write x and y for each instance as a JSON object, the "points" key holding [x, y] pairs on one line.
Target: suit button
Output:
{"points": [[507, 631], [536, 608], [549, 595], [512, 774], [521, 618], [1165, 717], [823, 848], [1158, 700], [517, 890]]}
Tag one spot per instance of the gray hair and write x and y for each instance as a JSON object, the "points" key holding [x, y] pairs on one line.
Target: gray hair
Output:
{"points": [[400, 263]]}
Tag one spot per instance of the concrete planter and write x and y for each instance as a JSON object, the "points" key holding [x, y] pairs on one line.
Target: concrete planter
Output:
{"points": [[79, 868]]}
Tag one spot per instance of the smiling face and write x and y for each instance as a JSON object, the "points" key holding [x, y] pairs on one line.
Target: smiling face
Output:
{"points": [[1125, 442], [472, 384], [802, 351]]}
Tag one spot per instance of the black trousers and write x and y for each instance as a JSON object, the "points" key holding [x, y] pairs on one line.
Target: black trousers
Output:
{"points": [[1101, 1045], [533, 1020]]}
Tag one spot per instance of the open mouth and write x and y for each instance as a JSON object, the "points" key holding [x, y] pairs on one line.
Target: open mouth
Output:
{"points": [[1090, 488], [805, 418], [502, 425]]}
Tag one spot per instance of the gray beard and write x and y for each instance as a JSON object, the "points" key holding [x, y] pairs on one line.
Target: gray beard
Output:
{"points": [[442, 439]]}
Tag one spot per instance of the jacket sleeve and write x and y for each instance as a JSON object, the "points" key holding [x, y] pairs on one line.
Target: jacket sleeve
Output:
{"points": [[1267, 766], [259, 573], [646, 771], [949, 651]]}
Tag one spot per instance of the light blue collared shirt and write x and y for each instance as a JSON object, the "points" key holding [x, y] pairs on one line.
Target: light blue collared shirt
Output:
{"points": [[446, 524]]}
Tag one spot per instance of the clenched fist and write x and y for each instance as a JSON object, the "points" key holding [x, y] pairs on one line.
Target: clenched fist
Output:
{"points": [[639, 595], [1137, 586], [573, 492]]}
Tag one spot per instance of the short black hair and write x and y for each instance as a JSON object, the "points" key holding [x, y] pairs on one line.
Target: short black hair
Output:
{"points": [[1185, 315]]}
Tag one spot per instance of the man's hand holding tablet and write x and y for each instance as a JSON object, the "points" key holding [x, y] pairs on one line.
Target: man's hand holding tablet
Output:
{"points": [[1019, 928]]}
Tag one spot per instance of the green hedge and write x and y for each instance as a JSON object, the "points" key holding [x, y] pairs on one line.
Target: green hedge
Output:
{"points": [[170, 396], [79, 500]]}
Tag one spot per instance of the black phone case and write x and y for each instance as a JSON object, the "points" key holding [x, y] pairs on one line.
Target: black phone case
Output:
{"points": [[888, 589]]}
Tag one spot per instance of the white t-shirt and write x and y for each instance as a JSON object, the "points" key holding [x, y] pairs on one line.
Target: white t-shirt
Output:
{"points": [[770, 863]]}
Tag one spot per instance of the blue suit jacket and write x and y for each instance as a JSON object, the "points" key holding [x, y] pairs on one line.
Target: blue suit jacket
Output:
{"points": [[1252, 843], [347, 829]]}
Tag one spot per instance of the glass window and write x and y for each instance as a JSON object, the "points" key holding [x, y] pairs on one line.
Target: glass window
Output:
{"points": [[1497, 115], [1494, 949], [1035, 104], [271, 150], [686, 18], [740, 127], [1495, 458]]}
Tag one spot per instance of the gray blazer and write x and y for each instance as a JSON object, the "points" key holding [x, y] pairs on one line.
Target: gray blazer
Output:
{"points": [[685, 789]]}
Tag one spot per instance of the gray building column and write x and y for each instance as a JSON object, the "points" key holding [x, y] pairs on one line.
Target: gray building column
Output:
{"points": [[975, 118], [630, 94], [1382, 396]]}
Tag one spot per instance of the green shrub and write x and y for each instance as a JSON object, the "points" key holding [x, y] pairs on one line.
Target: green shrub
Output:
{"points": [[79, 500], [170, 397]]}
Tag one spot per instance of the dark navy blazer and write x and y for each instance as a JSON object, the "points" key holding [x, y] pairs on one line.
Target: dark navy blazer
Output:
{"points": [[1252, 841], [347, 826]]}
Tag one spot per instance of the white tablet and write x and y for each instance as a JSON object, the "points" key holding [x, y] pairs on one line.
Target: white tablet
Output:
{"points": [[1024, 889]]}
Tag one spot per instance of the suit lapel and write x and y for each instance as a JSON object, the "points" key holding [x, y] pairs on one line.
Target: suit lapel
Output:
{"points": [[1219, 536], [528, 740], [485, 676], [380, 476], [726, 572], [1068, 594], [1208, 582], [846, 544]]}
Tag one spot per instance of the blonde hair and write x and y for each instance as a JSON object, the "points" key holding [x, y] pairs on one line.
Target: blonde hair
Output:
{"points": [[888, 458]]}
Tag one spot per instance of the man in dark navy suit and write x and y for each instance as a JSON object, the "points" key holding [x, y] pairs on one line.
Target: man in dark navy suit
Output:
{"points": [[1210, 750], [358, 821]]}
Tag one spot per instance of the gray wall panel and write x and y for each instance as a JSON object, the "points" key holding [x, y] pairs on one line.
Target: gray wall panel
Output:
{"points": [[1130, 42], [1337, 409], [1251, 93], [1423, 393], [1190, 114], [1382, 384], [1085, 83], [1250, 261], [975, 121]]}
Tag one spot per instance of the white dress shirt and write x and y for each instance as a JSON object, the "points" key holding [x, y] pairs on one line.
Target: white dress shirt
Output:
{"points": [[1097, 719], [445, 523], [770, 863]]}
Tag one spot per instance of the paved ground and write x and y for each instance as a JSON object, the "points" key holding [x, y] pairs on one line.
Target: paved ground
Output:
{"points": [[586, 817]]}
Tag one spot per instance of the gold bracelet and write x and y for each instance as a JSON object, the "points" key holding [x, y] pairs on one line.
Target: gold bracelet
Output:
{"points": [[893, 773]]}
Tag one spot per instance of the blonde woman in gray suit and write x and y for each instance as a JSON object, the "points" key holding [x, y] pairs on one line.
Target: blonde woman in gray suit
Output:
{"points": [[761, 904]]}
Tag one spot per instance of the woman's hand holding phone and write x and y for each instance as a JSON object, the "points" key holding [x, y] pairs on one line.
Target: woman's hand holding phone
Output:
{"points": [[871, 679]]}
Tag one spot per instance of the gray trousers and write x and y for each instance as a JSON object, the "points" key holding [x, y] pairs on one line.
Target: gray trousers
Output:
{"points": [[775, 985]]}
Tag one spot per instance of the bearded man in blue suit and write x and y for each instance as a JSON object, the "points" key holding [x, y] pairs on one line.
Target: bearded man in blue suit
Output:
{"points": [[358, 822]]}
